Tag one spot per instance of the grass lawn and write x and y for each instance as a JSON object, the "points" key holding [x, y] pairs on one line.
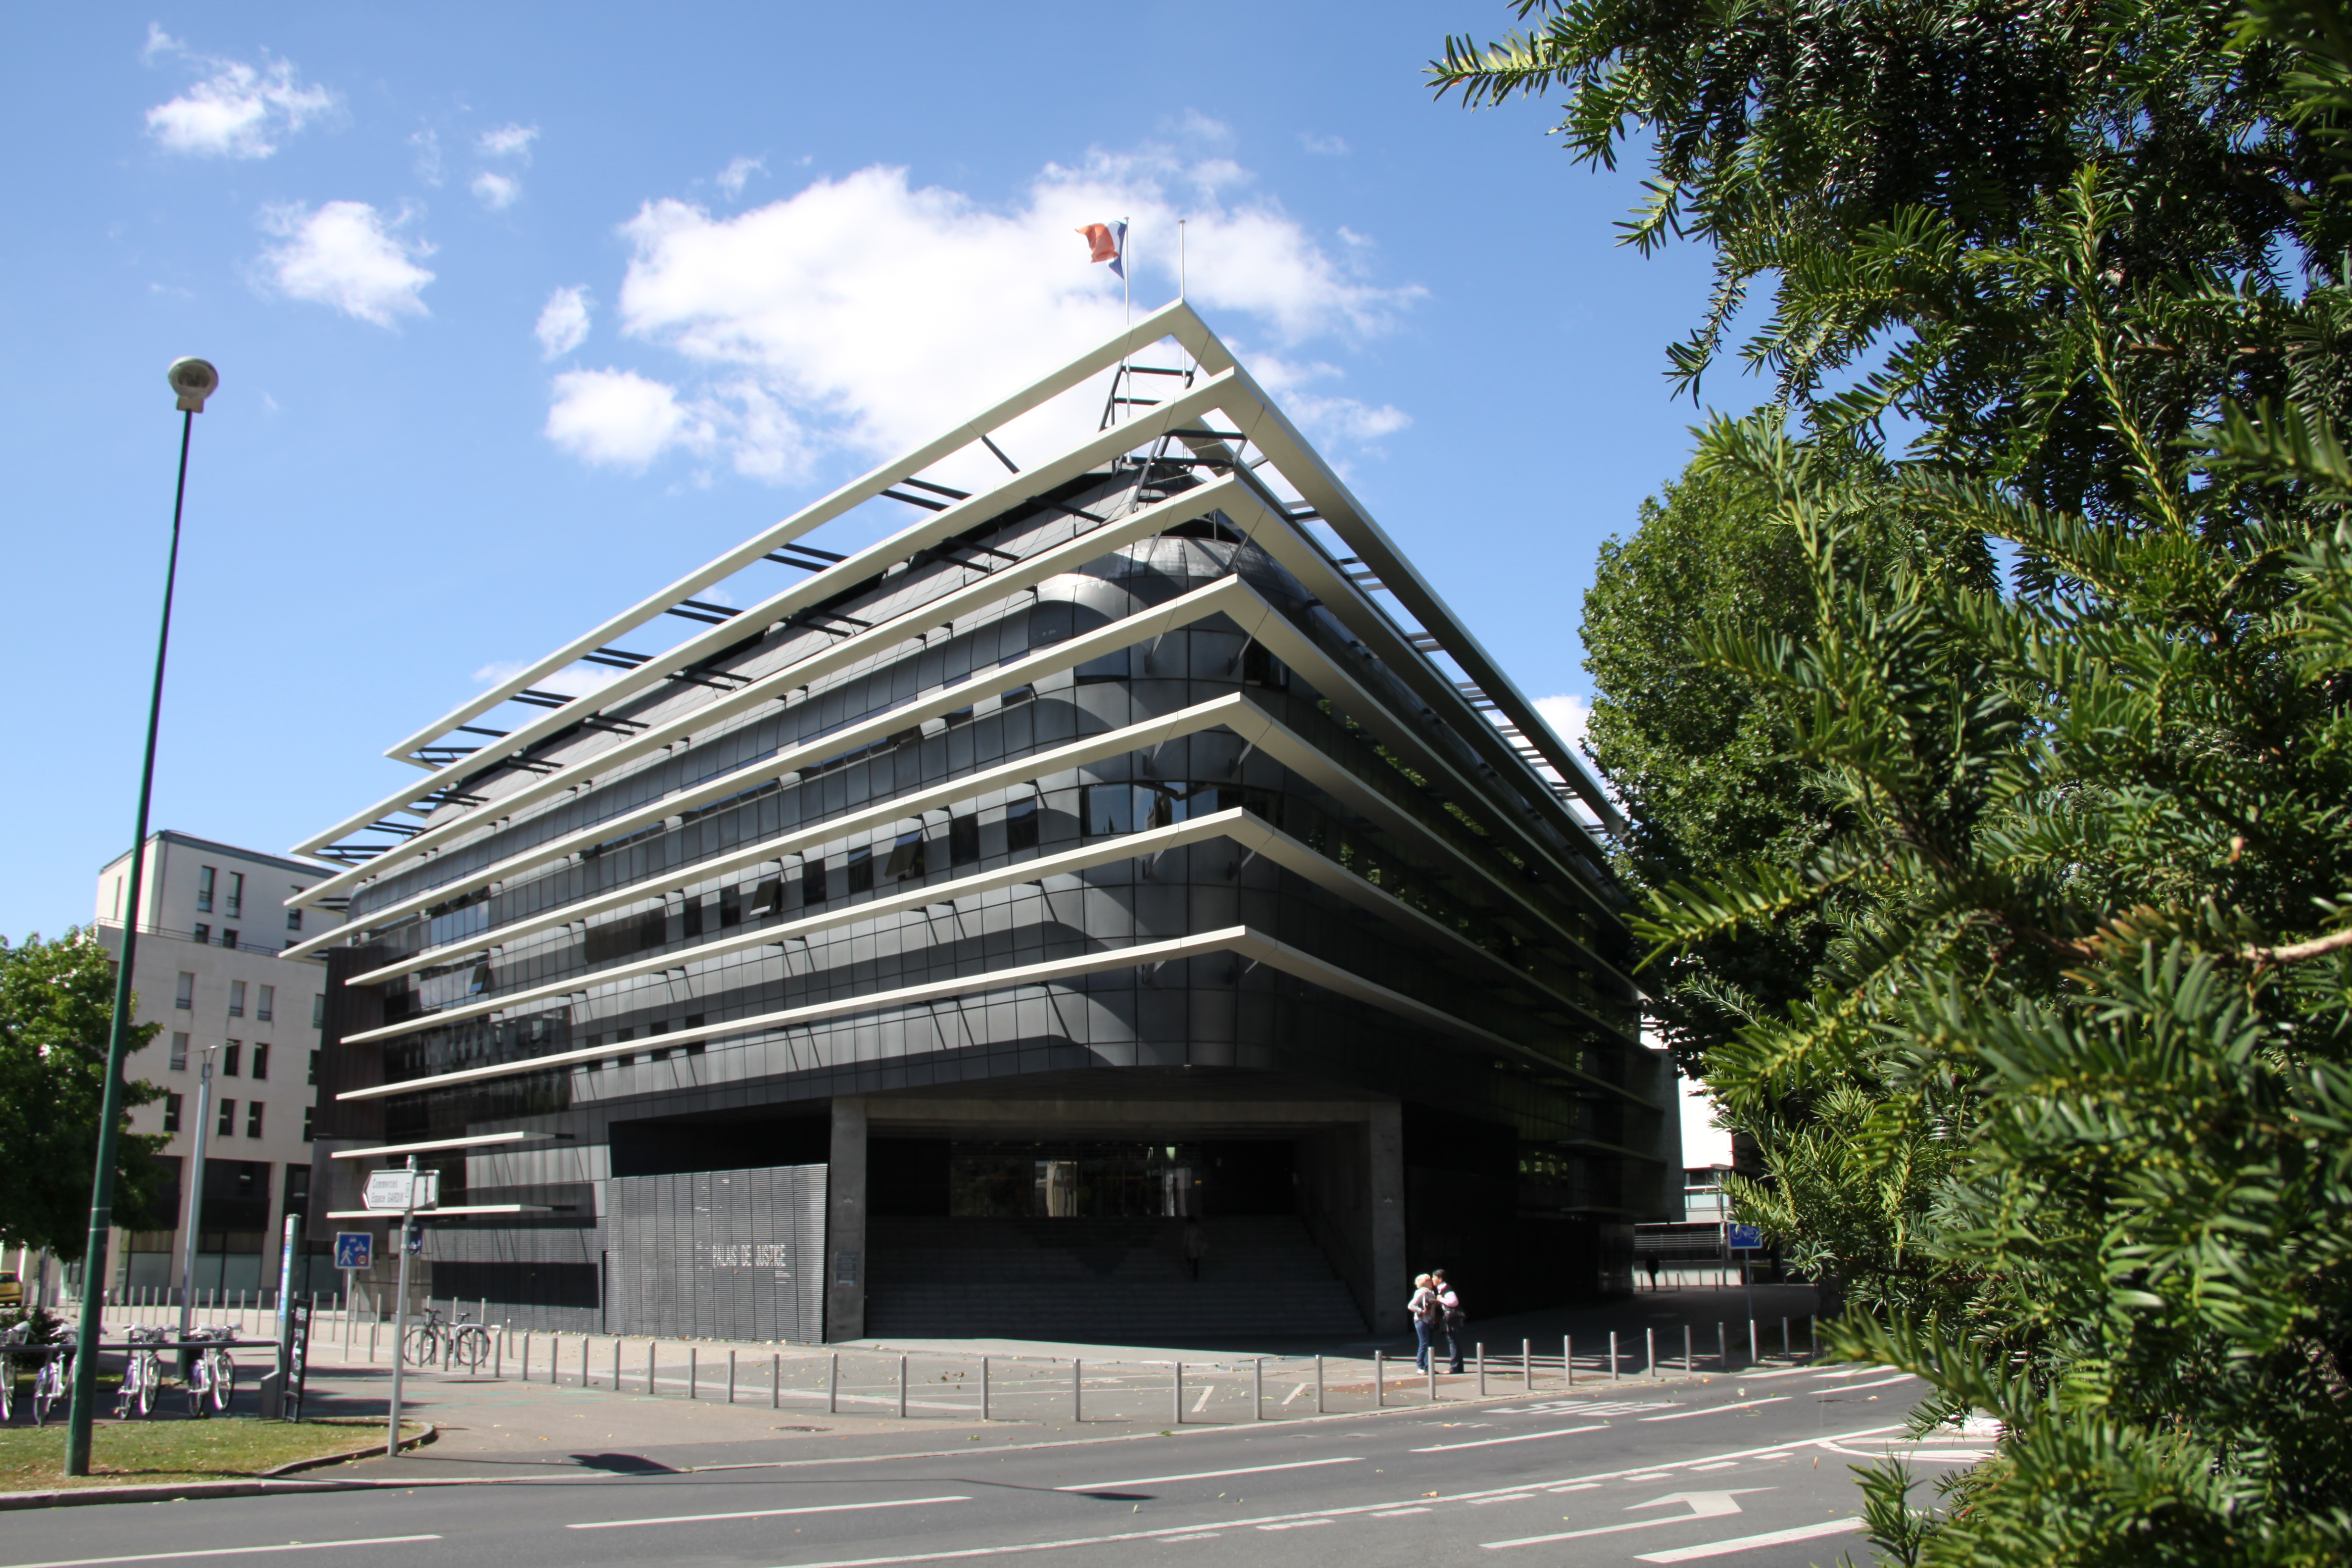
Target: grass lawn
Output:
{"points": [[148, 1453]]}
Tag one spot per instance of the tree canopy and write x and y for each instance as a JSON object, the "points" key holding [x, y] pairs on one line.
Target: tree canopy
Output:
{"points": [[57, 1012], [2061, 1092]]}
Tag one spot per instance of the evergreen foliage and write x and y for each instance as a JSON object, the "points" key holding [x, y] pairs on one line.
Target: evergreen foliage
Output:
{"points": [[2063, 1095]]}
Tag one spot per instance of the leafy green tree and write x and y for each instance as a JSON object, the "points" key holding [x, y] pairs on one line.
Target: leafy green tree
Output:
{"points": [[2067, 1097], [57, 1010]]}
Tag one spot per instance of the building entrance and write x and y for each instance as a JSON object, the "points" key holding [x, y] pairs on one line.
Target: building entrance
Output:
{"points": [[1074, 1180]]}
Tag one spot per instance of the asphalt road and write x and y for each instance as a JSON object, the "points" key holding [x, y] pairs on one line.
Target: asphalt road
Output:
{"points": [[1750, 1470]]}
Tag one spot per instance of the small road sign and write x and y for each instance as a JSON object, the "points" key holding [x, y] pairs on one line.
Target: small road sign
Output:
{"points": [[416, 1240], [1744, 1238], [354, 1249], [388, 1191]]}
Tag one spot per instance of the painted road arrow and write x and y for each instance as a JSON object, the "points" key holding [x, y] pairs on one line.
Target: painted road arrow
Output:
{"points": [[1702, 1505]]}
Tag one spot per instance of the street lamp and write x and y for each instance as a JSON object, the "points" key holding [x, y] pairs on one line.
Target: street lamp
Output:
{"points": [[191, 381]]}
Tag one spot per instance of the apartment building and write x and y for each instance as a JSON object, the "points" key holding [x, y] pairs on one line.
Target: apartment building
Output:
{"points": [[211, 971]]}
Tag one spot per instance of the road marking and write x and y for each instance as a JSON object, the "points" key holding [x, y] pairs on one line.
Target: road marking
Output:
{"points": [[1711, 1409], [228, 1552], [1749, 1542], [1718, 1465], [1293, 1393], [1210, 1475], [1843, 1387], [1507, 1497], [1398, 1512], [1574, 1486], [1174, 1532], [1522, 1437], [1703, 1505], [1295, 1524], [1203, 1535], [762, 1512], [1858, 1371]]}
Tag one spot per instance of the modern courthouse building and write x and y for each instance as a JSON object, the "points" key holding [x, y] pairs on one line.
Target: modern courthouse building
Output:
{"points": [[212, 972], [1127, 863]]}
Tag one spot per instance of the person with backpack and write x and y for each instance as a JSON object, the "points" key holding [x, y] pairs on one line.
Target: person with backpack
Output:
{"points": [[1450, 1318], [1424, 1311]]}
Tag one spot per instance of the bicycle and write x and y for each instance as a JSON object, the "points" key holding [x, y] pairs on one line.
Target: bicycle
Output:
{"points": [[461, 1344], [53, 1381], [11, 1341], [142, 1372], [211, 1376]]}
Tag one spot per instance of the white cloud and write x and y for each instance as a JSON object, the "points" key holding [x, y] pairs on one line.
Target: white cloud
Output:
{"points": [[235, 109], [563, 322], [1325, 416], [347, 256], [1196, 126], [507, 142], [1325, 147], [863, 314], [428, 156], [572, 681], [731, 178], [497, 192], [620, 419], [1568, 714]]}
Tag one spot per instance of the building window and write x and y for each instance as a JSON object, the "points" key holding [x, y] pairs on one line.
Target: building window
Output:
{"points": [[310, 1117], [228, 939], [231, 1055], [253, 1110], [268, 1004], [185, 996], [1021, 826], [202, 935], [812, 884], [226, 1127], [1109, 667], [294, 918], [236, 999], [319, 1011], [170, 1113], [730, 906], [1109, 808], [261, 1058], [313, 1079], [205, 875], [236, 904], [861, 870], [963, 840], [1260, 668], [905, 856], [179, 1051]]}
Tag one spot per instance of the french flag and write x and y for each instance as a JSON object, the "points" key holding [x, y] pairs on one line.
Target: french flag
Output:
{"points": [[1110, 242]]}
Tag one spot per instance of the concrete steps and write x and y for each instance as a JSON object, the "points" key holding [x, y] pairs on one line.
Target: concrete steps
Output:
{"points": [[1102, 1281]]}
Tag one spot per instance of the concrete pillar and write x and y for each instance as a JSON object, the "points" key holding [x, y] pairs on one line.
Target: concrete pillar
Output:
{"points": [[1391, 1281], [844, 1223]]}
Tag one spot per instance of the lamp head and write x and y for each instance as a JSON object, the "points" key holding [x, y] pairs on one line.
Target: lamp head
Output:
{"points": [[193, 380]]}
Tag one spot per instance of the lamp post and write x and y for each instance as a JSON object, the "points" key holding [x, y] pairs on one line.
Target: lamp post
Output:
{"points": [[192, 1230], [191, 381]]}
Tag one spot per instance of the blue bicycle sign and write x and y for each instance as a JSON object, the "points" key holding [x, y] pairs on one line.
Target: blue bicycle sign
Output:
{"points": [[1744, 1238], [354, 1249]]}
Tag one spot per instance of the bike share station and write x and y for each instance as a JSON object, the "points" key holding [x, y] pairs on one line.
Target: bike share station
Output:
{"points": [[412, 1195]]}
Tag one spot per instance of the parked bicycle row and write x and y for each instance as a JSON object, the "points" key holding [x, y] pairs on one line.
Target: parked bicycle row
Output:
{"points": [[204, 1372]]}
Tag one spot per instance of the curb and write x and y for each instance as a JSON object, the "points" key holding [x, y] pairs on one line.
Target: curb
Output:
{"points": [[266, 1483]]}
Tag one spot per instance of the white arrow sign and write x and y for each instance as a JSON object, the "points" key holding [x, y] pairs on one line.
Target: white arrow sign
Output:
{"points": [[1703, 1505], [390, 1191]]}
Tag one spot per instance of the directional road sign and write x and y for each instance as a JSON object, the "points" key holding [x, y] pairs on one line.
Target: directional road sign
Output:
{"points": [[388, 1191], [354, 1249], [1744, 1238]]}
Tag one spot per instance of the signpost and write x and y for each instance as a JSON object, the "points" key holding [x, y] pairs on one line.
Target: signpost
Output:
{"points": [[1745, 1240], [355, 1251], [400, 1191]]}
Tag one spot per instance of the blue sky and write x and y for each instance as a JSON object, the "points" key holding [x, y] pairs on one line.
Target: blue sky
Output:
{"points": [[522, 310]]}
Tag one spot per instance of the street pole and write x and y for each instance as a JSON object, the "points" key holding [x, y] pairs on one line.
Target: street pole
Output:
{"points": [[190, 1235], [400, 1311], [193, 381]]}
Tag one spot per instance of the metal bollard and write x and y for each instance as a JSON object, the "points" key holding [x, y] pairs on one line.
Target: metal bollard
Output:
{"points": [[1481, 1369], [1527, 1365], [497, 1354], [1650, 1348], [617, 1366], [1433, 1374], [731, 1378], [526, 1355], [1319, 1383], [833, 1386], [1689, 1365], [1078, 1389], [1722, 1356], [1567, 1358], [1257, 1389], [1176, 1397], [902, 1388], [653, 1381], [1784, 1339], [1752, 1356], [1612, 1356], [984, 1388], [776, 1381], [1379, 1379]]}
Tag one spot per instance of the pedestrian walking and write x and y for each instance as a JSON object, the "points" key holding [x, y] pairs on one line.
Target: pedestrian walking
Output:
{"points": [[1450, 1318], [1196, 1246], [1424, 1310], [1652, 1261]]}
